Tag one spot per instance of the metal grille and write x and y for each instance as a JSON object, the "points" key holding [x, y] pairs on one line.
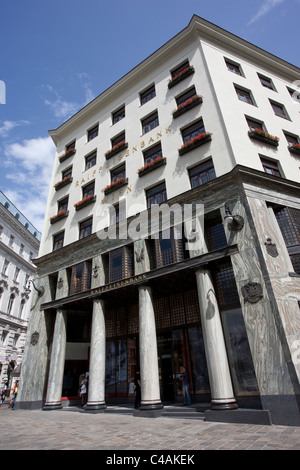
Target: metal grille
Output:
{"points": [[81, 277], [289, 222], [295, 259], [191, 307], [215, 234], [225, 285], [177, 310], [162, 313]]}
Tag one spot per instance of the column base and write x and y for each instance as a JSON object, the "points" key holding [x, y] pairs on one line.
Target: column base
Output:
{"points": [[151, 406], [94, 407], [224, 405], [52, 406]]}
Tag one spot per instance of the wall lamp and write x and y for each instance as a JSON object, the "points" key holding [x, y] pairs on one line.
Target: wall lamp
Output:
{"points": [[234, 222], [39, 290]]}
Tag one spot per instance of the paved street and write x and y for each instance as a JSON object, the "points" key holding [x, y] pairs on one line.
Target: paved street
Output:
{"points": [[71, 429]]}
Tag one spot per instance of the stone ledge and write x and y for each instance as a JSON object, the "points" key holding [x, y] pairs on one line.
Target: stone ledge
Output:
{"points": [[239, 416]]}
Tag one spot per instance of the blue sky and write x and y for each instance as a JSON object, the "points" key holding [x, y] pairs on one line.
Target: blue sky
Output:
{"points": [[57, 55]]}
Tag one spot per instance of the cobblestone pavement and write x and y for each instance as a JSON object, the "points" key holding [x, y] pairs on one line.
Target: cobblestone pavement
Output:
{"points": [[74, 430]]}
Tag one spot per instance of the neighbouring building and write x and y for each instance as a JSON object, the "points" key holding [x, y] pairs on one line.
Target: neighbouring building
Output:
{"points": [[19, 244], [208, 123]]}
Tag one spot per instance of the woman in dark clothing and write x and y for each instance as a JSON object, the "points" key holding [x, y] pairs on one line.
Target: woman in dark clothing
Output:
{"points": [[137, 383]]}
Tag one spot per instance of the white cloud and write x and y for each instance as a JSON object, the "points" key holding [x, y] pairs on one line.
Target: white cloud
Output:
{"points": [[30, 168], [7, 126], [267, 5]]}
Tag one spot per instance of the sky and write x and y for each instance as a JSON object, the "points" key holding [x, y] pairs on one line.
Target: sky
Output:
{"points": [[57, 55]]}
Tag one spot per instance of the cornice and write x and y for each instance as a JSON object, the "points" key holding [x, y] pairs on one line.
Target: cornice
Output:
{"points": [[19, 228]]}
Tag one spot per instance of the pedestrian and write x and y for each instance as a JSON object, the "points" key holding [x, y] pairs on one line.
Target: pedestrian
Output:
{"points": [[185, 386], [137, 383], [83, 391], [15, 393]]}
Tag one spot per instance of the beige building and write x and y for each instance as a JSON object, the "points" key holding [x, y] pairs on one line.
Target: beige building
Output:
{"points": [[208, 123]]}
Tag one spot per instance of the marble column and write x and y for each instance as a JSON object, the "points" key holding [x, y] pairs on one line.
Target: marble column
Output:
{"points": [[150, 392], [57, 362], [222, 396], [96, 388]]}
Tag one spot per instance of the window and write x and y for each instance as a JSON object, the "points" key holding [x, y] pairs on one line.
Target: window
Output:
{"points": [[120, 263], [294, 94], [190, 132], [118, 139], [214, 232], [150, 123], [81, 277], [233, 67], [202, 174], [244, 95], [186, 96], [92, 133], [180, 68], [288, 220], [152, 154], [63, 204], [255, 124], [10, 303], [156, 195], [67, 173], [70, 146], [16, 275], [85, 228], [88, 190], [270, 167], [279, 110], [11, 240], [22, 247], [117, 213], [90, 160], [169, 248], [266, 82], [58, 241], [118, 173], [22, 305], [147, 95], [118, 115], [291, 139], [5, 266]]}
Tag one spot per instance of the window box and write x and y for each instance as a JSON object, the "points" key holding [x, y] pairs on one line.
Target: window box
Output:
{"points": [[181, 76], [116, 149], [192, 144], [63, 183], [152, 165], [84, 202], [116, 185], [189, 104], [67, 154], [59, 216], [294, 148], [263, 136]]}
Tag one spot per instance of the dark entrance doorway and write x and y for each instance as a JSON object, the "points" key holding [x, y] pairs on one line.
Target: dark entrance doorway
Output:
{"points": [[165, 364]]}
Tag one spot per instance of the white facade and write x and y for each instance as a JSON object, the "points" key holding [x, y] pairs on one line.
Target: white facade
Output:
{"points": [[19, 243]]}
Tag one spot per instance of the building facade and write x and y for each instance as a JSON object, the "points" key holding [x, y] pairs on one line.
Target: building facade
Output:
{"points": [[19, 244], [171, 237]]}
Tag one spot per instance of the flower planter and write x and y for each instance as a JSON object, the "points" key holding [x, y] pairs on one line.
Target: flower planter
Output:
{"points": [[151, 166], [294, 148], [189, 104], [192, 144], [181, 76], [63, 183], [118, 184], [66, 155], [264, 137], [116, 149], [85, 202], [59, 216]]}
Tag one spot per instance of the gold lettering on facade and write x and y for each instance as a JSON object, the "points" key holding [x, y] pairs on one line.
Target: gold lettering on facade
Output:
{"points": [[116, 285]]}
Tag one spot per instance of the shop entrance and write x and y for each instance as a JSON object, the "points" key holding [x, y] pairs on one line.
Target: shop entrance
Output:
{"points": [[165, 365]]}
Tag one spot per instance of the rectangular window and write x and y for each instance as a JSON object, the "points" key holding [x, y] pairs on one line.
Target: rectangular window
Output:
{"points": [[117, 213], [120, 263], [190, 132], [156, 195], [147, 95], [202, 174], [118, 115], [244, 95], [295, 95], [5, 266], [67, 173], [11, 240], [253, 124], [187, 95], [168, 248], [279, 110], [16, 275], [180, 68], [288, 220], [266, 82], [291, 139], [63, 204], [152, 154], [85, 228], [70, 146], [270, 166], [90, 160], [150, 123], [118, 173], [92, 133], [58, 241], [118, 139], [81, 277], [88, 190], [233, 67], [214, 233]]}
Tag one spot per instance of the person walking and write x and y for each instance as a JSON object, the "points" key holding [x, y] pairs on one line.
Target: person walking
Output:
{"points": [[15, 393], [185, 387], [137, 383]]}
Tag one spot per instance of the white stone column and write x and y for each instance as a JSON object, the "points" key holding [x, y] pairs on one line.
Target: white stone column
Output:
{"points": [[222, 396], [150, 393], [96, 388], [57, 362]]}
